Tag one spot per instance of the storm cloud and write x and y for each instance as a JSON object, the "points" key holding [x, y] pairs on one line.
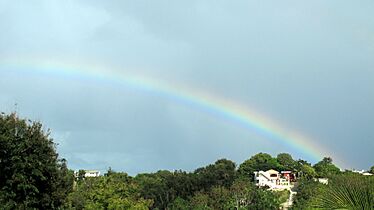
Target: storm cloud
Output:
{"points": [[307, 65]]}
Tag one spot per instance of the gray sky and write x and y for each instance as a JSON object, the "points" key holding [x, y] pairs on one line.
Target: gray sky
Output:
{"points": [[306, 64]]}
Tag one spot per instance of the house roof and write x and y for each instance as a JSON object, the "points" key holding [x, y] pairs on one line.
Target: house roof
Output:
{"points": [[272, 171]]}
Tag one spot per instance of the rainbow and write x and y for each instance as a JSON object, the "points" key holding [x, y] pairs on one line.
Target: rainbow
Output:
{"points": [[215, 106]]}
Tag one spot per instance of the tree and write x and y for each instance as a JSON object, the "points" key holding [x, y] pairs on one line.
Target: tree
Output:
{"points": [[112, 191], [326, 168], [286, 161], [349, 191], [154, 187], [222, 173], [31, 174], [305, 169], [66, 183], [260, 161], [200, 201], [81, 174], [219, 197], [242, 193], [371, 170], [179, 204], [307, 190]]}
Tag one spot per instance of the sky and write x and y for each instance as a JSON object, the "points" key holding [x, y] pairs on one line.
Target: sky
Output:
{"points": [[307, 66]]}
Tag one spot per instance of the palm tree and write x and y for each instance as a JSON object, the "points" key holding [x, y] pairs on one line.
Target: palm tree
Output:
{"points": [[347, 192]]}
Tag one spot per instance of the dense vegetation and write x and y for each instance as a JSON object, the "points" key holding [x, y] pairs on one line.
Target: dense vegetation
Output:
{"points": [[33, 177], [344, 191], [31, 174], [216, 186]]}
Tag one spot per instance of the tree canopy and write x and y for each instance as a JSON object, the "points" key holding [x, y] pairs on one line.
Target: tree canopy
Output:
{"points": [[112, 191], [260, 161], [347, 191], [286, 161], [31, 173], [325, 168], [371, 170], [34, 177]]}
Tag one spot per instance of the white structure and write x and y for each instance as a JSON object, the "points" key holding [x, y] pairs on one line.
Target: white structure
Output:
{"points": [[322, 180], [91, 173], [363, 172], [88, 173], [273, 179]]}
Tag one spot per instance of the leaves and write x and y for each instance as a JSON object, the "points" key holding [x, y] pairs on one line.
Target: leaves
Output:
{"points": [[260, 161], [31, 175], [349, 191], [113, 191], [325, 168]]}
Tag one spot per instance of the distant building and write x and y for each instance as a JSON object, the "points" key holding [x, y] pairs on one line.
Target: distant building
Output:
{"points": [[88, 173], [322, 180], [274, 180], [363, 172]]}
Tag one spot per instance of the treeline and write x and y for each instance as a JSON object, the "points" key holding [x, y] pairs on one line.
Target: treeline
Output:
{"points": [[344, 191], [32, 176], [216, 186], [221, 185]]}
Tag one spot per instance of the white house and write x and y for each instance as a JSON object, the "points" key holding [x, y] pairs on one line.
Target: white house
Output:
{"points": [[92, 173], [88, 173], [363, 172], [273, 179]]}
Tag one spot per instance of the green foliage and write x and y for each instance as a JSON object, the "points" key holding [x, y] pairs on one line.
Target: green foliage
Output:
{"points": [[164, 187], [200, 201], [286, 161], [242, 193], [325, 168], [306, 171], [245, 195], [81, 174], [113, 191], [371, 170], [265, 199], [282, 195], [154, 187], [306, 190], [347, 192], [219, 197], [31, 175], [260, 161], [179, 204], [212, 187], [344, 191], [221, 173]]}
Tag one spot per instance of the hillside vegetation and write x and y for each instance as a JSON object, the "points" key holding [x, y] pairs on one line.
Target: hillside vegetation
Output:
{"points": [[33, 176]]}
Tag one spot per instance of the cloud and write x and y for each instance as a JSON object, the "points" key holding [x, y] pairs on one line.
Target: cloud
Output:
{"points": [[306, 65]]}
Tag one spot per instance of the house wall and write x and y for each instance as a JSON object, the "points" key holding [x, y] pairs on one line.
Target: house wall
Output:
{"points": [[264, 179]]}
